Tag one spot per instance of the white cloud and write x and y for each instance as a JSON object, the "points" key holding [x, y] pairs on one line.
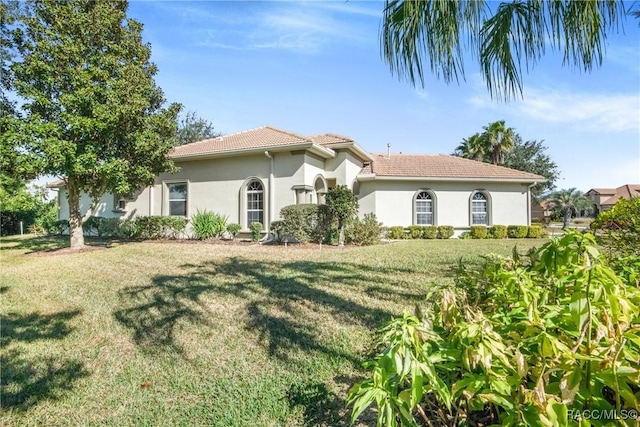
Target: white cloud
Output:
{"points": [[612, 112]]}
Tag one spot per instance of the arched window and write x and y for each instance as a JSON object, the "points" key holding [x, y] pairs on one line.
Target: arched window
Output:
{"points": [[424, 208], [255, 203], [479, 209]]}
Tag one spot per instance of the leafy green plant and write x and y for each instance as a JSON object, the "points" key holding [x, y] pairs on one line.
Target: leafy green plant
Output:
{"points": [[415, 231], [445, 231], [498, 231], [478, 231], [206, 224], [343, 206], [364, 232], [396, 232], [553, 331], [256, 231], [517, 231], [618, 229], [535, 232], [234, 229], [429, 232], [299, 222]]}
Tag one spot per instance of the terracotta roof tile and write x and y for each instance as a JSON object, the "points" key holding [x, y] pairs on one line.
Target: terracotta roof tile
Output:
{"points": [[262, 137], [441, 166], [330, 139], [626, 191]]}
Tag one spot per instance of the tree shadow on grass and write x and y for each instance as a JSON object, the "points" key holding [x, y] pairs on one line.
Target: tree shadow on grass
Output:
{"points": [[32, 244], [26, 379]]}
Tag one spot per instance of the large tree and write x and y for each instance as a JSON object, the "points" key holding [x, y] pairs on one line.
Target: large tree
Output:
{"points": [[499, 140], [193, 128], [92, 112], [531, 156], [503, 37], [473, 148]]}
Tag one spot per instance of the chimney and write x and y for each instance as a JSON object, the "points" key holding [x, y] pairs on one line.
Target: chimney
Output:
{"points": [[388, 151]]}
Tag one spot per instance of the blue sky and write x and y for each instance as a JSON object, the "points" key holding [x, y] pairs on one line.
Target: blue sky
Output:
{"points": [[315, 67]]}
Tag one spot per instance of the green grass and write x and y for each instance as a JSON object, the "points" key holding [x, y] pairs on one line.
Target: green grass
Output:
{"points": [[189, 333]]}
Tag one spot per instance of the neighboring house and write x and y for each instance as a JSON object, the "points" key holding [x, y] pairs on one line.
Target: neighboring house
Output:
{"points": [[603, 199], [250, 176]]}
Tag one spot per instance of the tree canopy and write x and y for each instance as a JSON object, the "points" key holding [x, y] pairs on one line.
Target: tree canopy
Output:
{"points": [[503, 38], [92, 112], [511, 151], [193, 128]]}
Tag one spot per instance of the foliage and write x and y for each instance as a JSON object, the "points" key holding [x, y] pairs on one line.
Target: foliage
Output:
{"points": [[396, 232], [192, 128], [554, 331], [206, 224], [478, 232], [445, 231], [535, 232], [531, 156], [517, 231], [19, 204], [299, 222], [343, 206], [498, 231], [500, 140], [415, 34], [102, 227], [619, 228], [256, 231], [568, 201], [233, 229], [429, 232], [415, 231], [92, 111], [154, 227], [365, 231], [474, 148]]}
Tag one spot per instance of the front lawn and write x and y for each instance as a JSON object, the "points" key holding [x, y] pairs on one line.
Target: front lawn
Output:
{"points": [[189, 333]]}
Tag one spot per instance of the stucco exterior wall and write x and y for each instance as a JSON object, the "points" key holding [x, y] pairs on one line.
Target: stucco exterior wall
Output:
{"points": [[344, 167], [393, 201], [105, 207]]}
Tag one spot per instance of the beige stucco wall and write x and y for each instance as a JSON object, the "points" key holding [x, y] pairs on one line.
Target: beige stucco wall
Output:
{"points": [[344, 167], [392, 201], [105, 207]]}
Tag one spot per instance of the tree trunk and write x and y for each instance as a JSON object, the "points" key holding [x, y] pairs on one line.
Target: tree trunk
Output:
{"points": [[341, 235], [567, 218], [75, 217]]}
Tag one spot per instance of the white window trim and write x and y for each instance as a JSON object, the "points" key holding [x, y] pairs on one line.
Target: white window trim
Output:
{"points": [[243, 204], [166, 207], [434, 202], [487, 195]]}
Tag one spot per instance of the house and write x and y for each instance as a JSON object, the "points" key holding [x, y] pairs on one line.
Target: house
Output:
{"points": [[603, 199], [250, 176]]}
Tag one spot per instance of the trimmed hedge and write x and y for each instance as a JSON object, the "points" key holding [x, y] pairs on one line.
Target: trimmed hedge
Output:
{"points": [[415, 231], [535, 232], [429, 232], [445, 231], [396, 232], [478, 231], [498, 231], [303, 223], [517, 231]]}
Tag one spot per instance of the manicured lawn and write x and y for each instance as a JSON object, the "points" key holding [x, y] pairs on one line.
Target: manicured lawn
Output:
{"points": [[200, 334]]}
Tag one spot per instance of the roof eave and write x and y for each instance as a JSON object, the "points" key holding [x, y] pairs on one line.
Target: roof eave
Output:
{"points": [[375, 177], [352, 146], [312, 147]]}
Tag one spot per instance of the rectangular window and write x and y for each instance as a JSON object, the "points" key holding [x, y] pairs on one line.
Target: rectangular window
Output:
{"points": [[424, 212], [479, 212], [177, 198]]}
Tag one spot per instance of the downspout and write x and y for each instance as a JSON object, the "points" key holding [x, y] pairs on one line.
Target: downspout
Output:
{"points": [[272, 195], [529, 203], [151, 200]]}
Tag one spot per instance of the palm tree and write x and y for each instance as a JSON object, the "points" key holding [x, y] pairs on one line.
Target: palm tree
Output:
{"points": [[499, 140], [472, 148], [568, 200], [416, 34]]}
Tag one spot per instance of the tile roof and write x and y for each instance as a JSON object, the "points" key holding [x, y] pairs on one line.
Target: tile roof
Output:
{"points": [[262, 137], [604, 191], [330, 139], [626, 191], [441, 166]]}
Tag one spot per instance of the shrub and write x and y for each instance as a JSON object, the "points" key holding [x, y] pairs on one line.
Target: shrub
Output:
{"points": [[498, 231], [465, 235], [415, 231], [396, 232], [234, 229], [517, 231], [445, 231], [478, 231], [343, 206], [619, 228], [535, 232], [256, 231], [429, 232], [155, 227], [206, 224], [364, 232], [535, 347], [58, 227], [299, 222]]}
